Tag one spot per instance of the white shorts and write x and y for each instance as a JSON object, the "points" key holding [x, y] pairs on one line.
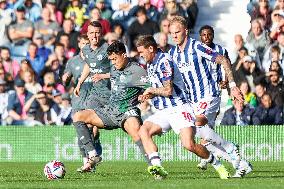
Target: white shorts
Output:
{"points": [[208, 107], [175, 118]]}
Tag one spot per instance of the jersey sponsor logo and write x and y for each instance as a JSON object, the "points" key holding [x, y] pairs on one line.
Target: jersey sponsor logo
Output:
{"points": [[77, 68], [208, 51], [144, 79], [100, 57], [93, 64], [122, 78]]}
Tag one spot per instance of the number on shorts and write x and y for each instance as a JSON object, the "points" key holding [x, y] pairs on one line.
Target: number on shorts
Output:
{"points": [[187, 116], [131, 113], [203, 105]]}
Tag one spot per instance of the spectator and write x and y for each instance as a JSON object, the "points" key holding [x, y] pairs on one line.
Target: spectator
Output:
{"points": [[192, 12], [36, 61], [279, 43], [53, 65], [262, 10], [76, 12], [60, 53], [44, 111], [163, 42], [64, 117], [121, 9], [260, 90], [95, 15], [277, 23], [142, 26], [159, 4], [5, 21], [30, 83], [246, 70], [267, 113], [21, 106], [42, 50], [275, 88], [249, 97], [68, 28], [164, 28], [68, 50], [10, 66], [50, 86], [55, 14], [20, 33], [172, 7], [47, 28], [105, 12], [33, 10], [240, 45], [258, 38], [276, 67], [274, 56], [25, 66], [111, 37], [120, 32], [242, 52], [4, 102], [239, 114], [151, 11]]}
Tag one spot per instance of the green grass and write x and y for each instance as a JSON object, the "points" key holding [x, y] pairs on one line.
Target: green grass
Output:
{"points": [[130, 175]]}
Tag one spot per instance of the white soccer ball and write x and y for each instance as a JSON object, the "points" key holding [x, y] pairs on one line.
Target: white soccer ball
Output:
{"points": [[54, 170]]}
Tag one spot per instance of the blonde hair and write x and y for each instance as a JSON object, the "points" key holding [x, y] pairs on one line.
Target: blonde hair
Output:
{"points": [[179, 19]]}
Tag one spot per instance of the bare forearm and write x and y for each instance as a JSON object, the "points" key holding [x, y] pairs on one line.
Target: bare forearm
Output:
{"points": [[14, 115], [85, 74], [227, 67], [167, 90]]}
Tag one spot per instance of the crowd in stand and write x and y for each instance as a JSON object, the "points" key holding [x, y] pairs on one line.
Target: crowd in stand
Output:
{"points": [[258, 67], [38, 37]]}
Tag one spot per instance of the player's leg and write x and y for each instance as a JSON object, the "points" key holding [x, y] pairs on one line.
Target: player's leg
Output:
{"points": [[132, 126], [146, 132], [208, 134], [182, 122], [81, 121]]}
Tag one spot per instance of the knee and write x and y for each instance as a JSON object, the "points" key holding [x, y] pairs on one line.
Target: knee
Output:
{"points": [[143, 131], [201, 120], [77, 117], [190, 146]]}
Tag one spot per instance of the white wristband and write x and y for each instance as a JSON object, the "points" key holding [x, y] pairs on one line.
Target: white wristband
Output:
{"points": [[232, 84]]}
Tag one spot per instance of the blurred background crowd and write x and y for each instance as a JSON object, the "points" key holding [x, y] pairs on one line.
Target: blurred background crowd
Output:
{"points": [[38, 37]]}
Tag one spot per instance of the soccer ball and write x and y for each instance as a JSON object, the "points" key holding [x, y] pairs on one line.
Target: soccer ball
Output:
{"points": [[54, 170]]}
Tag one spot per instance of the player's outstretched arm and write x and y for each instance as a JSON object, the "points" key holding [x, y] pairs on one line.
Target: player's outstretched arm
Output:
{"points": [[166, 90], [84, 75], [98, 77], [235, 91]]}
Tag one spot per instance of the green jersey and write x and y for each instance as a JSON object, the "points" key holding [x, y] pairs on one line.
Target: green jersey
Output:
{"points": [[126, 86]]}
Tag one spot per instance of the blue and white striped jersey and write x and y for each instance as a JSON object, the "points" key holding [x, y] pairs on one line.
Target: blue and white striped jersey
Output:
{"points": [[163, 69], [195, 63]]}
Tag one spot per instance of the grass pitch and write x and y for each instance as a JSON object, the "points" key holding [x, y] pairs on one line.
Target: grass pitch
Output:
{"points": [[132, 175]]}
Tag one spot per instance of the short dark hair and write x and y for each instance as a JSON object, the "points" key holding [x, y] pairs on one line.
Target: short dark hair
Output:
{"points": [[146, 41], [117, 48], [206, 27], [96, 24], [141, 10], [5, 48], [58, 45]]}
